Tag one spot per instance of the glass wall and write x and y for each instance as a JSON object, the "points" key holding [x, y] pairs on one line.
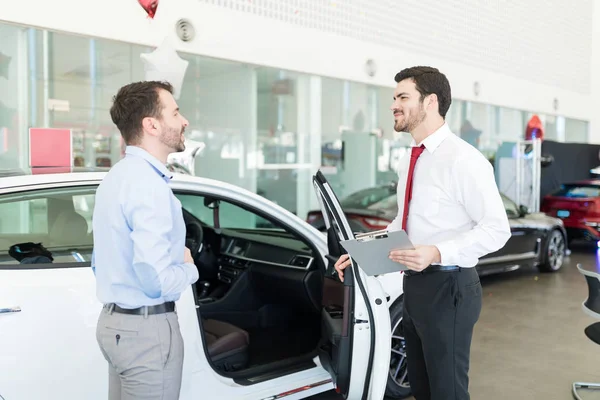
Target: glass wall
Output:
{"points": [[359, 147], [487, 127], [283, 145], [72, 80], [576, 131], [265, 129], [219, 100], [13, 96]]}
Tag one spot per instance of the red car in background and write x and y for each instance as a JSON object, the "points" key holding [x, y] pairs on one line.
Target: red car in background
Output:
{"points": [[578, 205]]}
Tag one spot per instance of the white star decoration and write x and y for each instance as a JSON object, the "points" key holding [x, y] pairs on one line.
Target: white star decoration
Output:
{"points": [[164, 64], [187, 158]]}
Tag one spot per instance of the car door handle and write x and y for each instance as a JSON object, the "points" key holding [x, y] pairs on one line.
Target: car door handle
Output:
{"points": [[10, 310]]}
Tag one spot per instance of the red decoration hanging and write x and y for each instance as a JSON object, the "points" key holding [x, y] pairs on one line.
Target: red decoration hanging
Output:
{"points": [[535, 129], [149, 6]]}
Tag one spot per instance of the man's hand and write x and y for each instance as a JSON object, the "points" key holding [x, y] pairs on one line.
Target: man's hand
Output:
{"points": [[418, 259], [187, 256], [341, 264]]}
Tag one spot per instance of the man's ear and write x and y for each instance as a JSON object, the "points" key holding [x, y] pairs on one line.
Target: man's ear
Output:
{"points": [[432, 101], [151, 126]]}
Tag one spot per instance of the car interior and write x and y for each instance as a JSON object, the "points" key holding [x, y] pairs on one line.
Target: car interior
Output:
{"points": [[261, 292], [56, 221], [264, 295]]}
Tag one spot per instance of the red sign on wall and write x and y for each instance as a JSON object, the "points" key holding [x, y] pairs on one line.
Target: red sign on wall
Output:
{"points": [[50, 150]]}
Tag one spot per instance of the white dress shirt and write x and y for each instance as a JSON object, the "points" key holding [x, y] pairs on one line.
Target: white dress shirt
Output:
{"points": [[455, 205]]}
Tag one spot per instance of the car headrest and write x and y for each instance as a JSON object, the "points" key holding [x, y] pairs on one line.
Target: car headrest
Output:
{"points": [[69, 228]]}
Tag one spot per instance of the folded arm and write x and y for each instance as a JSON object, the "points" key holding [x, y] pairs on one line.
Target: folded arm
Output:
{"points": [[159, 271]]}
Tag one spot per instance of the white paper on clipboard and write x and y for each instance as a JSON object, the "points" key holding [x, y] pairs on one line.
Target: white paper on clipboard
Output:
{"points": [[371, 250]]}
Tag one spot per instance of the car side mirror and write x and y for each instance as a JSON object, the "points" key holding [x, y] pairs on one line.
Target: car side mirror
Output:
{"points": [[523, 210], [211, 203]]}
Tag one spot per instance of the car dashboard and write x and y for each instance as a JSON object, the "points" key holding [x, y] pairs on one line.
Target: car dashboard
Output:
{"points": [[240, 251], [255, 268]]}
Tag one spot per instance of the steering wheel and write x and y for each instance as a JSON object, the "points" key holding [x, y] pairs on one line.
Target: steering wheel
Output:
{"points": [[194, 237]]}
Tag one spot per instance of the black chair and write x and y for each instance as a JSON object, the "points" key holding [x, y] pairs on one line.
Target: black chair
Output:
{"points": [[591, 306]]}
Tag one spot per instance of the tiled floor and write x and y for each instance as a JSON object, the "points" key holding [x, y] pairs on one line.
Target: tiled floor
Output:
{"points": [[529, 342]]}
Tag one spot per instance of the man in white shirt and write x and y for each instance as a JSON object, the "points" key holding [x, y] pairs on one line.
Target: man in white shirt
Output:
{"points": [[454, 215]]}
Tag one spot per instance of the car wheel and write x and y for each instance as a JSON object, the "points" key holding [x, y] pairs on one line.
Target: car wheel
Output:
{"points": [[397, 384], [554, 252]]}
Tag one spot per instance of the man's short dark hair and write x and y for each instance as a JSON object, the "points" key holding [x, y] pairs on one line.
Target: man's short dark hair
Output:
{"points": [[133, 103], [429, 80]]}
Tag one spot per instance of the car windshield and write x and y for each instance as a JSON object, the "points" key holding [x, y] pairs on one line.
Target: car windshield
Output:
{"points": [[578, 191], [367, 197]]}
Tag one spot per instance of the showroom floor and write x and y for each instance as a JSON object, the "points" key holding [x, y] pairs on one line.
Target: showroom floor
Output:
{"points": [[529, 341]]}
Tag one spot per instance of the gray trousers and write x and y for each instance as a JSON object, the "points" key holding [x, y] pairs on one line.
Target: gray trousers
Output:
{"points": [[144, 354]]}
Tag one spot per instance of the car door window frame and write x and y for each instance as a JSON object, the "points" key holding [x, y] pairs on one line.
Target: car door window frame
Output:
{"points": [[45, 191], [326, 195], [209, 218], [288, 228]]}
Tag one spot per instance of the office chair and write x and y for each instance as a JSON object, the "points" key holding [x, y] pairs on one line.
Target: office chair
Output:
{"points": [[591, 306]]}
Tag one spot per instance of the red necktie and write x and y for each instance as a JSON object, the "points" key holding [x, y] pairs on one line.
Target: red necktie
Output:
{"points": [[416, 152]]}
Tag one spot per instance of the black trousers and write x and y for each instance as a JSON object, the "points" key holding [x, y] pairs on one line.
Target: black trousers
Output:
{"points": [[440, 312]]}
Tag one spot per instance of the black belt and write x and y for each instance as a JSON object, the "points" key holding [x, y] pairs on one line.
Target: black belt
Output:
{"points": [[145, 310], [433, 268]]}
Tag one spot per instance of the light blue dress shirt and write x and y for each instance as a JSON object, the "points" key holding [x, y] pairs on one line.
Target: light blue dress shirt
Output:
{"points": [[139, 235]]}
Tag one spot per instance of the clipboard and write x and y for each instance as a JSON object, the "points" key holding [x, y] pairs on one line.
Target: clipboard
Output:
{"points": [[371, 250]]}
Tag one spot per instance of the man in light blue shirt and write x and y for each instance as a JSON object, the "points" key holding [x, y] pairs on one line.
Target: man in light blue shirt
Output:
{"points": [[140, 260]]}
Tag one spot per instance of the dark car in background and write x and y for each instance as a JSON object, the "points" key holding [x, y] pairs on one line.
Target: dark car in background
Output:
{"points": [[367, 210], [537, 239], [577, 204]]}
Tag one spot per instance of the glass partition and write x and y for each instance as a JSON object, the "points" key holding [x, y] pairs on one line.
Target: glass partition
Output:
{"points": [[264, 129], [576, 130], [13, 96]]}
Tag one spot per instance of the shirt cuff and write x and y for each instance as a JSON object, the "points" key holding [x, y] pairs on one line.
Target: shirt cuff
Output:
{"points": [[448, 253]]}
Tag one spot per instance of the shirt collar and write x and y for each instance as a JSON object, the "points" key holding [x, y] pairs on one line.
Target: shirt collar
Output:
{"points": [[159, 167], [433, 141]]}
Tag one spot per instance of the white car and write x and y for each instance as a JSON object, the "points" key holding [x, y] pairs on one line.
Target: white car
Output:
{"points": [[268, 319]]}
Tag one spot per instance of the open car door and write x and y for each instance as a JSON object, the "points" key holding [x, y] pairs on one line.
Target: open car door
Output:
{"points": [[356, 342]]}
